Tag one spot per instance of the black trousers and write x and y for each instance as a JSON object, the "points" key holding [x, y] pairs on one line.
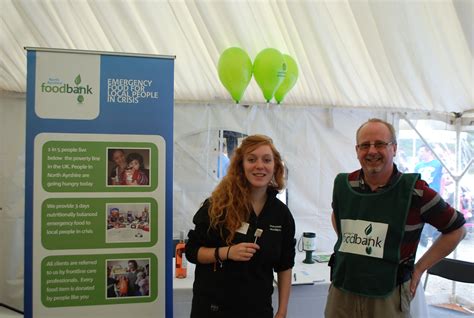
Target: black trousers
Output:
{"points": [[203, 307]]}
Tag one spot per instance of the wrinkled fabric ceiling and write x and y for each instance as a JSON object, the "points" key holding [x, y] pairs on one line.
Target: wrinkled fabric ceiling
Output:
{"points": [[403, 55]]}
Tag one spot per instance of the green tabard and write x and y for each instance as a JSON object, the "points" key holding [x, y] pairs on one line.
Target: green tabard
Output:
{"points": [[370, 231]]}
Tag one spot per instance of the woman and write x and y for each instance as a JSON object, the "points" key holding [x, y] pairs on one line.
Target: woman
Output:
{"points": [[234, 265]]}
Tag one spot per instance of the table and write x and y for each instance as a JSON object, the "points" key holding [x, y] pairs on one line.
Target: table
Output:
{"points": [[305, 300], [317, 272]]}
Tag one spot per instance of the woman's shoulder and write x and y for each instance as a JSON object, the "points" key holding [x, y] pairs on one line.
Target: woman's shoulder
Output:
{"points": [[279, 213], [277, 204], [202, 214]]}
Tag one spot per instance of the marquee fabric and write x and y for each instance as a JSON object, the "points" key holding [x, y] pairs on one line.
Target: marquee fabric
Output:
{"points": [[405, 55]]}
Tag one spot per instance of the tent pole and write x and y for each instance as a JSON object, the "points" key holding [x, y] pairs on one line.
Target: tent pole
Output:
{"points": [[456, 193]]}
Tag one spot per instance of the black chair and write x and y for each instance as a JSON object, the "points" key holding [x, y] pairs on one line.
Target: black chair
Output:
{"points": [[453, 269]]}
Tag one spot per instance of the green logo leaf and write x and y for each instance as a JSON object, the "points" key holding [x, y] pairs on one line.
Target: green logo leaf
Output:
{"points": [[77, 80], [80, 99], [368, 250], [368, 229]]}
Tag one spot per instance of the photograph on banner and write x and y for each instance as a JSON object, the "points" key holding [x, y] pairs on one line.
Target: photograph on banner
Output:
{"points": [[99, 279], [128, 222], [128, 278], [78, 223], [96, 166], [128, 167]]}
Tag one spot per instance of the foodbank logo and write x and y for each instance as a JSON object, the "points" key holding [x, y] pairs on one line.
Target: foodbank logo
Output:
{"points": [[365, 241], [55, 86], [367, 231]]}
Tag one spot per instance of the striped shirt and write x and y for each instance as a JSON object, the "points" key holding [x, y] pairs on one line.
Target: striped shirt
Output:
{"points": [[427, 206]]}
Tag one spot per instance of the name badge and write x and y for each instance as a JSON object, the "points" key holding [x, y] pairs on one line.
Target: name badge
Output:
{"points": [[244, 228]]}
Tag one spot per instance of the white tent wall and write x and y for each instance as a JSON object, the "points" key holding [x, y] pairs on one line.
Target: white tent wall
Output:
{"points": [[12, 181]]}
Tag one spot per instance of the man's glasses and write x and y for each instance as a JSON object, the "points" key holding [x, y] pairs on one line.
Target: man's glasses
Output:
{"points": [[379, 145]]}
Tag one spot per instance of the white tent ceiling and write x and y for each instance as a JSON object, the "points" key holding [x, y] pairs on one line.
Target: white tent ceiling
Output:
{"points": [[404, 55]]}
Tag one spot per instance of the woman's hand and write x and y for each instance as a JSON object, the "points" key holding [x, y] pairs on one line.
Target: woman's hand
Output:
{"points": [[242, 251]]}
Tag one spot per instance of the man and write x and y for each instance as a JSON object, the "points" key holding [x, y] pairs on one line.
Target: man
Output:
{"points": [[379, 214], [429, 168], [132, 273], [431, 171], [116, 176]]}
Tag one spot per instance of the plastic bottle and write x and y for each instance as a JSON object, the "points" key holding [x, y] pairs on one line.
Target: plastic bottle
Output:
{"points": [[181, 262]]}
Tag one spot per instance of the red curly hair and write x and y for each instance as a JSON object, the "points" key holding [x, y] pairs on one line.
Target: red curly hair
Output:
{"points": [[230, 200]]}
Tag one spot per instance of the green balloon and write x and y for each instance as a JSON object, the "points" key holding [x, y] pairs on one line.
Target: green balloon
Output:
{"points": [[290, 78], [269, 71], [235, 71]]}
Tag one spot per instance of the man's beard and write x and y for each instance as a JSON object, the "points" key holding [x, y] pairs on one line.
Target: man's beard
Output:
{"points": [[374, 170], [371, 169]]}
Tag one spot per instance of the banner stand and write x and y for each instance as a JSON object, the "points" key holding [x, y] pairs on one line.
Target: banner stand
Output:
{"points": [[99, 182]]}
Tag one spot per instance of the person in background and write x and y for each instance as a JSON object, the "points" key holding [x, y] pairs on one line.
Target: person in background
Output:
{"points": [[429, 168], [132, 273], [242, 234], [222, 162], [111, 283], [403, 164], [113, 218], [135, 173], [117, 156], [378, 214], [143, 283], [431, 171]]}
